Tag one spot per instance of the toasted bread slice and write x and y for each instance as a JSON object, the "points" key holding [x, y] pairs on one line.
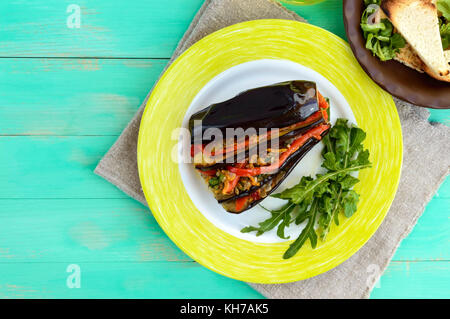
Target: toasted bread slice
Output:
{"points": [[417, 21], [445, 78], [408, 57]]}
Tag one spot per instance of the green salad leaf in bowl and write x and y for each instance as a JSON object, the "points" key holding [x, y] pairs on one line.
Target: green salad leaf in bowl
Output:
{"points": [[380, 37], [443, 6]]}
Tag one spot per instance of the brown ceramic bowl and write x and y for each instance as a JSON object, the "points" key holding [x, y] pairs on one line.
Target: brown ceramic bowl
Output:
{"points": [[396, 78]]}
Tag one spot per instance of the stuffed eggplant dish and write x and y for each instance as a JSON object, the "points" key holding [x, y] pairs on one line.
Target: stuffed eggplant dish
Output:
{"points": [[273, 128]]}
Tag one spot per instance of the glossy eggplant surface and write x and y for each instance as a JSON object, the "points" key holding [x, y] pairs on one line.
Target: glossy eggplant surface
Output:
{"points": [[273, 127]]}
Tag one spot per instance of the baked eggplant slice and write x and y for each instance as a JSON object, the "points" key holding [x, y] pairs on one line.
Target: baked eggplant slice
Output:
{"points": [[238, 174], [255, 195], [274, 106]]}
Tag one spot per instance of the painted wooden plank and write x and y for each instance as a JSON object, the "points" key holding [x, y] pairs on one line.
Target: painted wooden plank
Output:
{"points": [[120, 230], [108, 28], [72, 96], [327, 15], [80, 96], [429, 239], [442, 116], [92, 230], [54, 167], [116, 29], [189, 280], [119, 280], [422, 280]]}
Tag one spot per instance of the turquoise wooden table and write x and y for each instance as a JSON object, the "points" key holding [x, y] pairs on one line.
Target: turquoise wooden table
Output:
{"points": [[65, 95]]}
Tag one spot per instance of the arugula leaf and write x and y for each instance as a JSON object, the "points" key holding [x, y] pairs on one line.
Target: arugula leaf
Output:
{"points": [[373, 28], [308, 188], [270, 223], [330, 213], [444, 7], [305, 190], [349, 202], [444, 22], [320, 200], [307, 233], [285, 222], [302, 212], [357, 137], [444, 29], [397, 42], [361, 160], [380, 37], [348, 181]]}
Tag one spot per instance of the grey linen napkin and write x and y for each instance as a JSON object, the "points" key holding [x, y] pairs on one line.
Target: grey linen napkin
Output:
{"points": [[426, 163]]}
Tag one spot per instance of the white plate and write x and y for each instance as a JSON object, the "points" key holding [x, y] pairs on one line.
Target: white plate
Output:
{"points": [[227, 85]]}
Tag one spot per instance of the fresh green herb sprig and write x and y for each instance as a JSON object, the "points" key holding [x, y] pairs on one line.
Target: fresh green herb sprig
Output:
{"points": [[444, 7], [320, 200], [444, 29], [444, 22], [380, 38]]}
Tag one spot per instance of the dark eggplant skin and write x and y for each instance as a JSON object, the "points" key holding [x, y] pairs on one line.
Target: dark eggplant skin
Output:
{"points": [[285, 169], [274, 106]]}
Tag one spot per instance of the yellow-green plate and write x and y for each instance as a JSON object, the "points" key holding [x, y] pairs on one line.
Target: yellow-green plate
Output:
{"points": [[169, 201]]}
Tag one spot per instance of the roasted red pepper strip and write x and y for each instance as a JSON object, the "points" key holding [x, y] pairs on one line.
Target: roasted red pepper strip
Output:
{"points": [[240, 203], [299, 142], [313, 118], [323, 105]]}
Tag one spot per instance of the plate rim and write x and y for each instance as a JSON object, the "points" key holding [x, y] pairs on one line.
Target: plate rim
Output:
{"points": [[262, 22]]}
